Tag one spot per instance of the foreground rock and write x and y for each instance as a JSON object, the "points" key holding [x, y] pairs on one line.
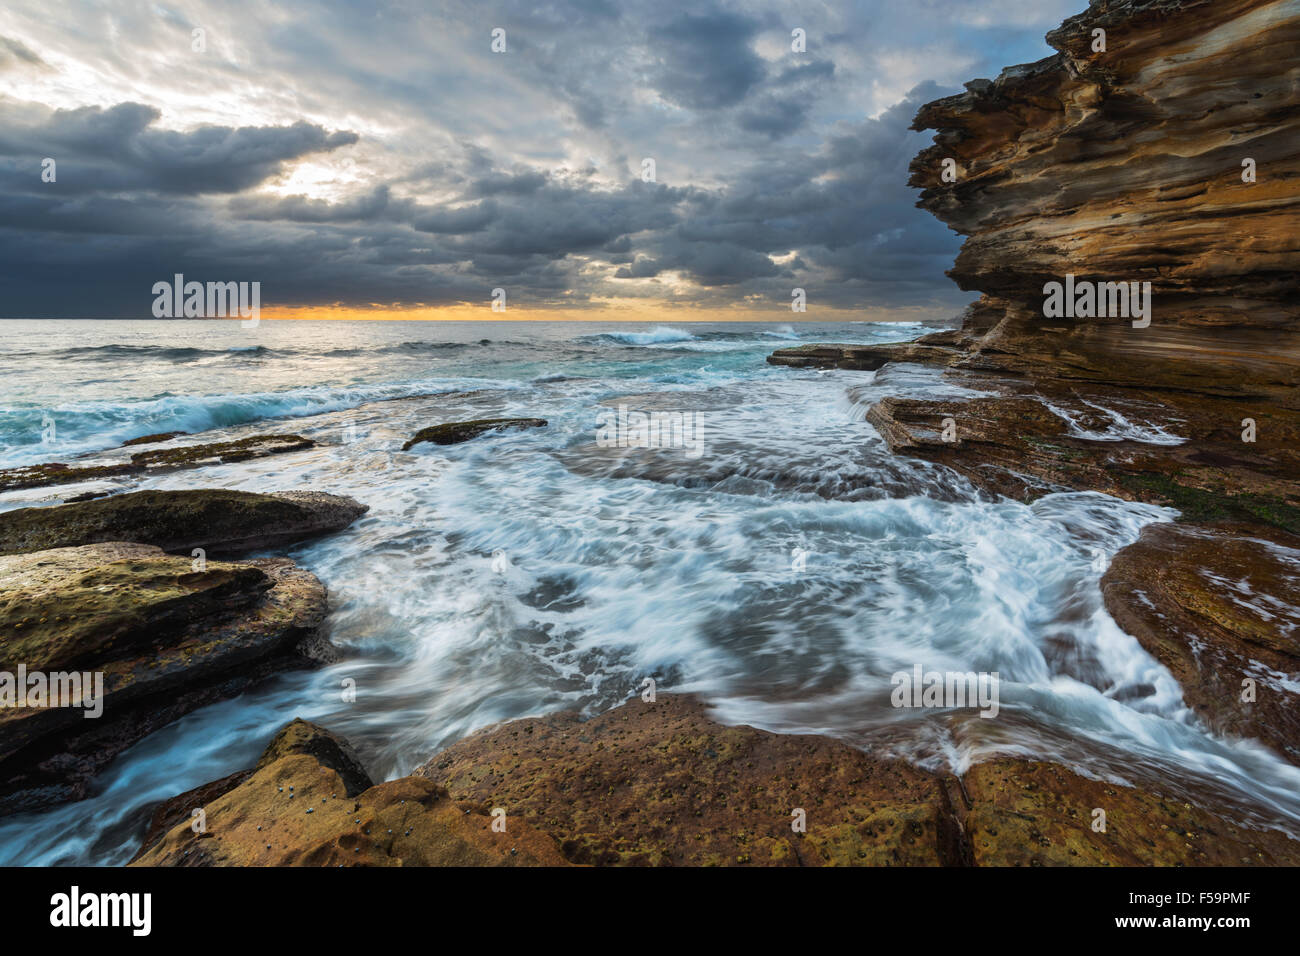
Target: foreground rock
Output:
{"points": [[453, 433], [1029, 813], [156, 636], [662, 783], [309, 802], [216, 520], [154, 462], [1219, 607]]}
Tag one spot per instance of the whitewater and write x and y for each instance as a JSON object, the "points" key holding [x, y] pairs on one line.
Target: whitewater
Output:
{"points": [[783, 575]]}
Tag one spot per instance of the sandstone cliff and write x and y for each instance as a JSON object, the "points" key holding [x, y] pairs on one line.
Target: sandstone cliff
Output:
{"points": [[1161, 145], [1126, 164]]}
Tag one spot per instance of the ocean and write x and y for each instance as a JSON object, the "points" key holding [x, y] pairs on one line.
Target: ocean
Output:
{"points": [[783, 573]]}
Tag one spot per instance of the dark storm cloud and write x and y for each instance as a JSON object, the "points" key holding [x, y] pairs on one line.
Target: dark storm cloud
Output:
{"points": [[119, 151], [383, 154], [706, 60]]}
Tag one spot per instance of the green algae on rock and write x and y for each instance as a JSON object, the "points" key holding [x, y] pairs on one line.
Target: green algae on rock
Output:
{"points": [[166, 638]]}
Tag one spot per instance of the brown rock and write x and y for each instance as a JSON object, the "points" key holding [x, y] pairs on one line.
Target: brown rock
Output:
{"points": [[157, 461], [1218, 606], [453, 433], [165, 639], [294, 810], [153, 439], [662, 784], [1017, 447], [1027, 813], [867, 357], [1125, 164], [214, 519]]}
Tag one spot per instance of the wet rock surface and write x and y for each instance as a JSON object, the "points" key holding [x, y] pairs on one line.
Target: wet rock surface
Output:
{"points": [[663, 784], [453, 433], [164, 636], [1027, 813], [216, 520], [938, 348], [154, 461], [1220, 607], [295, 809], [1045, 439]]}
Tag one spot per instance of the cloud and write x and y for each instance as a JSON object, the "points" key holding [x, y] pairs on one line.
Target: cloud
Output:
{"points": [[116, 149], [706, 61], [383, 153], [14, 53]]}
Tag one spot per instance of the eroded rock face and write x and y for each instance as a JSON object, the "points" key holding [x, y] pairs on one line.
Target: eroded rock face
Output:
{"points": [[296, 809], [1126, 164], [216, 520], [1219, 607], [163, 638], [453, 433]]}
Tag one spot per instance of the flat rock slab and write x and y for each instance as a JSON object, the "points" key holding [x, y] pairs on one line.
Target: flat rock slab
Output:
{"points": [[1015, 445], [1219, 606], [156, 461], [296, 809], [215, 519], [866, 358], [453, 433], [1029, 813], [663, 784], [163, 637]]}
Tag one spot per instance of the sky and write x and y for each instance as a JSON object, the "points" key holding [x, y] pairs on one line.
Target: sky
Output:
{"points": [[382, 160]]}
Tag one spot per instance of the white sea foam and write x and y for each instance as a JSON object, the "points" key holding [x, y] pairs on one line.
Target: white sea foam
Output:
{"points": [[533, 571]]}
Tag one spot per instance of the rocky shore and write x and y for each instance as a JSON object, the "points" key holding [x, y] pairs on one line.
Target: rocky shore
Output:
{"points": [[1126, 164], [662, 784], [128, 636], [1116, 164]]}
